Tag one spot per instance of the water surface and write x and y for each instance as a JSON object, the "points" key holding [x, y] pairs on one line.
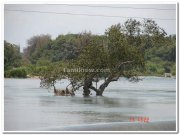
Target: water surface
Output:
{"points": [[29, 107]]}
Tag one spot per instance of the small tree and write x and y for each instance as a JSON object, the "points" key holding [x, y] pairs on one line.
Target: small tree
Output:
{"points": [[49, 74]]}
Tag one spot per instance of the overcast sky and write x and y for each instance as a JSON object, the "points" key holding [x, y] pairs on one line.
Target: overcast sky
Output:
{"points": [[19, 26]]}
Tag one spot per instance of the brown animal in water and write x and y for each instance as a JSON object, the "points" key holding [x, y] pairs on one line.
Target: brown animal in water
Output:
{"points": [[64, 93]]}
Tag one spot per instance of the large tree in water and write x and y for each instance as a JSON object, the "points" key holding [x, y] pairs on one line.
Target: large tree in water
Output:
{"points": [[119, 53]]}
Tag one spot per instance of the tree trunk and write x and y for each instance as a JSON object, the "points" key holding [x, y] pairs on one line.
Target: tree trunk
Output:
{"points": [[102, 87], [99, 92], [87, 85], [86, 91], [55, 91]]}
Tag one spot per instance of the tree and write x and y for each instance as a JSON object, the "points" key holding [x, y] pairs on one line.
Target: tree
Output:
{"points": [[35, 46], [120, 58], [12, 56], [153, 35], [92, 59], [49, 74], [120, 53]]}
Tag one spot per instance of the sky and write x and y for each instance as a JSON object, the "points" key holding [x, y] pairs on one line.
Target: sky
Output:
{"points": [[20, 25]]}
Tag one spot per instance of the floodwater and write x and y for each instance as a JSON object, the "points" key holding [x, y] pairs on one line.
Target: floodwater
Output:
{"points": [[27, 107]]}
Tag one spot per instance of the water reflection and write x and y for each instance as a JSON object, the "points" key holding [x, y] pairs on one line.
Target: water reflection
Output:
{"points": [[78, 110], [108, 102]]}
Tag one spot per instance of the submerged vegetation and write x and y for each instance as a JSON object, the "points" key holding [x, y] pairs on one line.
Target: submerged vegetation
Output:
{"points": [[125, 50]]}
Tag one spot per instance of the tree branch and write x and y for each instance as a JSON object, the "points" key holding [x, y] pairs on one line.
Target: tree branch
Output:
{"points": [[123, 63], [78, 86], [68, 85], [115, 78], [93, 88]]}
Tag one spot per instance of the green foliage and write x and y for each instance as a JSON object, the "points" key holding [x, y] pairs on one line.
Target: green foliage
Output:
{"points": [[12, 56], [161, 59], [35, 47], [49, 74], [173, 71], [43, 62], [16, 73], [153, 68], [165, 51], [158, 67], [121, 50], [122, 42]]}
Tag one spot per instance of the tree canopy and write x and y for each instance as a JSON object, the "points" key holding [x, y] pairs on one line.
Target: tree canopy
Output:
{"points": [[12, 56]]}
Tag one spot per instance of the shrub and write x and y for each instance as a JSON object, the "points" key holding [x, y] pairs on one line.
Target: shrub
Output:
{"points": [[174, 70], [16, 73], [151, 67]]}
